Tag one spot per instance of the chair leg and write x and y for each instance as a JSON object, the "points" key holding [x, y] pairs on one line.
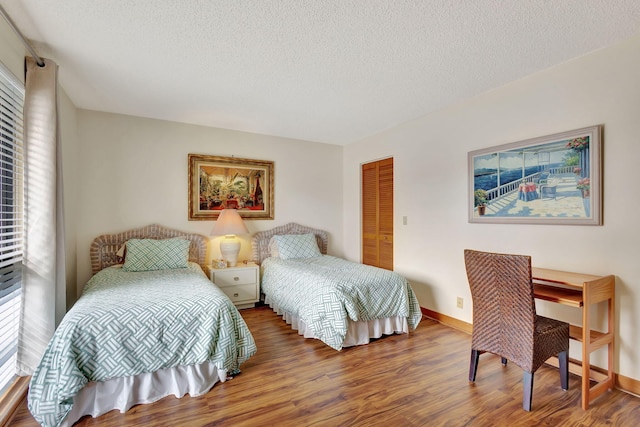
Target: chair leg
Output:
{"points": [[527, 393], [473, 364], [563, 358]]}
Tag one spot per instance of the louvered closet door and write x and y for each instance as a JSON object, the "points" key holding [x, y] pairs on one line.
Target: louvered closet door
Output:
{"points": [[377, 214]]}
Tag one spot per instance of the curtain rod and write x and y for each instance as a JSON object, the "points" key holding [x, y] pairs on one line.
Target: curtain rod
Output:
{"points": [[15, 29]]}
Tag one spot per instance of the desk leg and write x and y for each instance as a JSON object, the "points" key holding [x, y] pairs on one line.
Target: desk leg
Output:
{"points": [[589, 393], [586, 349], [611, 345]]}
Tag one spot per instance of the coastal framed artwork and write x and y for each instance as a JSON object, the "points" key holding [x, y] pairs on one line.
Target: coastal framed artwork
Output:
{"points": [[554, 179], [217, 183]]}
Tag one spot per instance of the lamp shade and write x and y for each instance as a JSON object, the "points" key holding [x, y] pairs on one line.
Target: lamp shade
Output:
{"points": [[229, 222]]}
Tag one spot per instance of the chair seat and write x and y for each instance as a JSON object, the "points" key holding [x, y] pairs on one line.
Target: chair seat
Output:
{"points": [[544, 324]]}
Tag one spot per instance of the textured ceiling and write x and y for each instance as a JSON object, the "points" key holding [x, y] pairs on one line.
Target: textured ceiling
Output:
{"points": [[329, 71]]}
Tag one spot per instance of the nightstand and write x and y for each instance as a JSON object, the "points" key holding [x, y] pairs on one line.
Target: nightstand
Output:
{"points": [[241, 283]]}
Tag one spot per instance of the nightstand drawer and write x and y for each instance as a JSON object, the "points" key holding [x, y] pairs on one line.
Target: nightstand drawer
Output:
{"points": [[241, 284], [236, 277], [241, 293]]}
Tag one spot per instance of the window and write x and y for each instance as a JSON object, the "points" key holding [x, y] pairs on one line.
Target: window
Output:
{"points": [[11, 220]]}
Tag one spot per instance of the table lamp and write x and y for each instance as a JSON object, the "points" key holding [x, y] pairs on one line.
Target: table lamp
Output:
{"points": [[229, 224]]}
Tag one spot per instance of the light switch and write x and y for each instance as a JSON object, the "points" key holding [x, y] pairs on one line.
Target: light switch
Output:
{"points": [[404, 220]]}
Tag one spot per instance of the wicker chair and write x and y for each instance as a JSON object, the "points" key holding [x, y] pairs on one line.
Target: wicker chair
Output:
{"points": [[505, 322], [548, 190]]}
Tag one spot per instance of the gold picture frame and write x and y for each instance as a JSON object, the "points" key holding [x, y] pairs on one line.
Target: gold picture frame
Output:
{"points": [[216, 183]]}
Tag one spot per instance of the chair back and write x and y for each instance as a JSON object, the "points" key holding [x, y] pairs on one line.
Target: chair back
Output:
{"points": [[504, 312]]}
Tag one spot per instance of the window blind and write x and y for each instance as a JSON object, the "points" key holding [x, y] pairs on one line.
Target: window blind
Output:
{"points": [[11, 220]]}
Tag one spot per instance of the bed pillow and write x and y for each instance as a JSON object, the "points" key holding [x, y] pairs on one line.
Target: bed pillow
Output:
{"points": [[151, 254], [122, 252], [273, 247], [289, 246], [120, 255]]}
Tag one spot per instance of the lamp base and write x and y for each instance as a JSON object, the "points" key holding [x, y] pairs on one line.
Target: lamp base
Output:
{"points": [[230, 248]]}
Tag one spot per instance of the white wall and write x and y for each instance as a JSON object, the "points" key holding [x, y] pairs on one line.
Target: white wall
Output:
{"points": [[70, 165], [134, 172], [431, 187]]}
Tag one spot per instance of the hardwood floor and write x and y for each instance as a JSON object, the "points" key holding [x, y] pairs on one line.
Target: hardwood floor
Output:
{"points": [[399, 380]]}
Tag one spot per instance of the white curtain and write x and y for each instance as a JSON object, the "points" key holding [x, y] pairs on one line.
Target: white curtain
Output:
{"points": [[43, 274]]}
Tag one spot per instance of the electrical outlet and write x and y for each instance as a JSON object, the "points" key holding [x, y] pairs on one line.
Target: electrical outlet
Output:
{"points": [[460, 302]]}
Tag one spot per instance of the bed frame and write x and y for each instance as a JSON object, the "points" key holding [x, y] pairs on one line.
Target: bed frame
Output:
{"points": [[260, 241], [104, 248]]}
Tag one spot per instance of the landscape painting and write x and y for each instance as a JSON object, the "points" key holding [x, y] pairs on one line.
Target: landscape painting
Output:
{"points": [[217, 183], [555, 179]]}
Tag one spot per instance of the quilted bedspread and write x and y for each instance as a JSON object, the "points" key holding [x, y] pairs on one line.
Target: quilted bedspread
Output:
{"points": [[128, 323], [324, 292]]}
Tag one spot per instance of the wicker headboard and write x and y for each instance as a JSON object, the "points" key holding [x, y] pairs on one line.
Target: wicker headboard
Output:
{"points": [[260, 240], [104, 248]]}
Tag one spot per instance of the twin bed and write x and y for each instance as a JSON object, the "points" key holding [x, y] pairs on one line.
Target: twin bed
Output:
{"points": [[339, 302], [150, 327], [150, 324]]}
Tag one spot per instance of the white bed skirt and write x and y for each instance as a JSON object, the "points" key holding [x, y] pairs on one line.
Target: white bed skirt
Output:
{"points": [[358, 332], [98, 398]]}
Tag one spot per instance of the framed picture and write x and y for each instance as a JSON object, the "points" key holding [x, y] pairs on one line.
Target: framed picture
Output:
{"points": [[554, 179], [217, 183]]}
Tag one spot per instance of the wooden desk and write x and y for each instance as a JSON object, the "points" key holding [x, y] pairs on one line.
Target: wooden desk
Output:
{"points": [[582, 291]]}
